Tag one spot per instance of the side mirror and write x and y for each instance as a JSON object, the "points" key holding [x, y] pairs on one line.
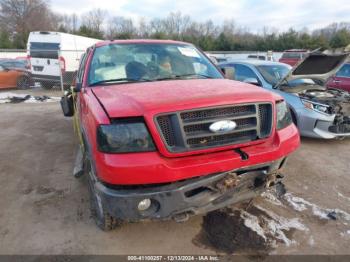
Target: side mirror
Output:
{"points": [[77, 87], [252, 81], [6, 69], [229, 72], [67, 105]]}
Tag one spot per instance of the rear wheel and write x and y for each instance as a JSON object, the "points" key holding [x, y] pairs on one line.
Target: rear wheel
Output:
{"points": [[23, 82], [98, 211], [47, 85]]}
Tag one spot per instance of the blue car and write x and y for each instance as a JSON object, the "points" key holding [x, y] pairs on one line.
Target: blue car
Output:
{"points": [[317, 111]]}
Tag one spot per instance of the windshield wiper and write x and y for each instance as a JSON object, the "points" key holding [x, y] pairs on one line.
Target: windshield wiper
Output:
{"points": [[125, 79], [173, 77]]}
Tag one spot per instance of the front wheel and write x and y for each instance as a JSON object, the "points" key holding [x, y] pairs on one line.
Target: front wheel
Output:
{"points": [[98, 211]]}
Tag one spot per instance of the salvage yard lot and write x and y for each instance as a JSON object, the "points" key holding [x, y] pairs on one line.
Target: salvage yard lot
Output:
{"points": [[46, 211]]}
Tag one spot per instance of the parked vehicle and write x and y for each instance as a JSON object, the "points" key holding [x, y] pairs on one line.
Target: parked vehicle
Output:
{"points": [[24, 60], [54, 53], [166, 136], [293, 56], [317, 112], [14, 64], [12, 78], [259, 57], [341, 80]]}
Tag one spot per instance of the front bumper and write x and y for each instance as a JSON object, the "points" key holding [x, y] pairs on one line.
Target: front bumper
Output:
{"points": [[182, 199], [317, 125], [323, 129], [153, 168]]}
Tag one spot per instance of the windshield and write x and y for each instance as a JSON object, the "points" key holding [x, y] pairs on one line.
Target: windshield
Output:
{"points": [[293, 55], [149, 62], [274, 73], [13, 64]]}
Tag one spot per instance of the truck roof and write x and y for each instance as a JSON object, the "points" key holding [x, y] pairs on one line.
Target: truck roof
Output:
{"points": [[140, 41]]}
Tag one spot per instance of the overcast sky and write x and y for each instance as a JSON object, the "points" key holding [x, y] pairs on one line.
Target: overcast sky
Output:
{"points": [[254, 14]]}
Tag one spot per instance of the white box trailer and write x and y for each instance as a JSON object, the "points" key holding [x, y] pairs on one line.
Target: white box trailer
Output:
{"points": [[53, 53]]}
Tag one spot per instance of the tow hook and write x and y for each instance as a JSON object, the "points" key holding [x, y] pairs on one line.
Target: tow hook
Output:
{"points": [[229, 182], [273, 179], [180, 218]]}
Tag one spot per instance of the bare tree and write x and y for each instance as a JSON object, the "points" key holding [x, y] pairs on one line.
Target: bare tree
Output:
{"points": [[176, 24], [68, 23], [94, 20], [19, 17], [120, 27], [143, 28]]}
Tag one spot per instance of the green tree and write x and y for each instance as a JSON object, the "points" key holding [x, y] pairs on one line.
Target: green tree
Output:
{"points": [[340, 39], [5, 41]]}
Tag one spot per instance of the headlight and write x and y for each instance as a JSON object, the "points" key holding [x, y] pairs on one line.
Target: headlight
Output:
{"points": [[284, 117], [124, 136], [325, 109]]}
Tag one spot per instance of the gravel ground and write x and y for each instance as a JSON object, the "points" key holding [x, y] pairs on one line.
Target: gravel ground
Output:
{"points": [[46, 211]]}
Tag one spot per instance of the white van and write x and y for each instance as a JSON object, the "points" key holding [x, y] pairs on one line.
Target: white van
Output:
{"points": [[53, 53]]}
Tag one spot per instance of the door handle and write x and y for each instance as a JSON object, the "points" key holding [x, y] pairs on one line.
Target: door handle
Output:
{"points": [[337, 81]]}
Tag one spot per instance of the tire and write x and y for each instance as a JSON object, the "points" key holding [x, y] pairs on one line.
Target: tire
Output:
{"points": [[47, 85], [102, 218], [23, 82]]}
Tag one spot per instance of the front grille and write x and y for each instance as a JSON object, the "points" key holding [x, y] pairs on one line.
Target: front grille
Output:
{"points": [[189, 130]]}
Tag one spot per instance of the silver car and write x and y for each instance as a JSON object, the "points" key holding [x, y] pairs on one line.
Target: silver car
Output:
{"points": [[317, 112]]}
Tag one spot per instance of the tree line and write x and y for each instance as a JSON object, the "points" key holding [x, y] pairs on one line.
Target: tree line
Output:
{"points": [[19, 17]]}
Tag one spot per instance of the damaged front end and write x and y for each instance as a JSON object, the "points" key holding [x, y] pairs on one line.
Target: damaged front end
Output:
{"points": [[324, 113], [332, 102]]}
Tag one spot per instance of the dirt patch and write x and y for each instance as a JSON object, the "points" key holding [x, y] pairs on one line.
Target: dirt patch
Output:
{"points": [[249, 229], [226, 231], [41, 190]]}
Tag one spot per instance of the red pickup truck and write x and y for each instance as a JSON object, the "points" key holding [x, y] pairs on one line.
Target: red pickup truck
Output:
{"points": [[164, 135]]}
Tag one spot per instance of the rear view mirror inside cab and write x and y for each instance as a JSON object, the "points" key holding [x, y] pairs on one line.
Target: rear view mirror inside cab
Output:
{"points": [[229, 72]]}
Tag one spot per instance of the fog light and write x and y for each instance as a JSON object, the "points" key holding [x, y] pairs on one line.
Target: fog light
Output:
{"points": [[144, 204]]}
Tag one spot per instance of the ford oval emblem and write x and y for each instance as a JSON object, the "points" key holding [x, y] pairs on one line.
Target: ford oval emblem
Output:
{"points": [[222, 126]]}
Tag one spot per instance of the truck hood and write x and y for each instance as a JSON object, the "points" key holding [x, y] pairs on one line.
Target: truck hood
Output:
{"points": [[317, 65], [137, 99]]}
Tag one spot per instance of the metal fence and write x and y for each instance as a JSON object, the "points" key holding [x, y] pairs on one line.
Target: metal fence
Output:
{"points": [[47, 69]]}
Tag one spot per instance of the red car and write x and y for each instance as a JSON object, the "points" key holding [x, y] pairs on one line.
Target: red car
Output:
{"points": [[293, 56], [164, 135], [341, 80]]}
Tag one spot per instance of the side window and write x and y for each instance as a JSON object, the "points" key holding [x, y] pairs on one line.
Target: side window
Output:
{"points": [[80, 74], [243, 72], [1, 68], [344, 71]]}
